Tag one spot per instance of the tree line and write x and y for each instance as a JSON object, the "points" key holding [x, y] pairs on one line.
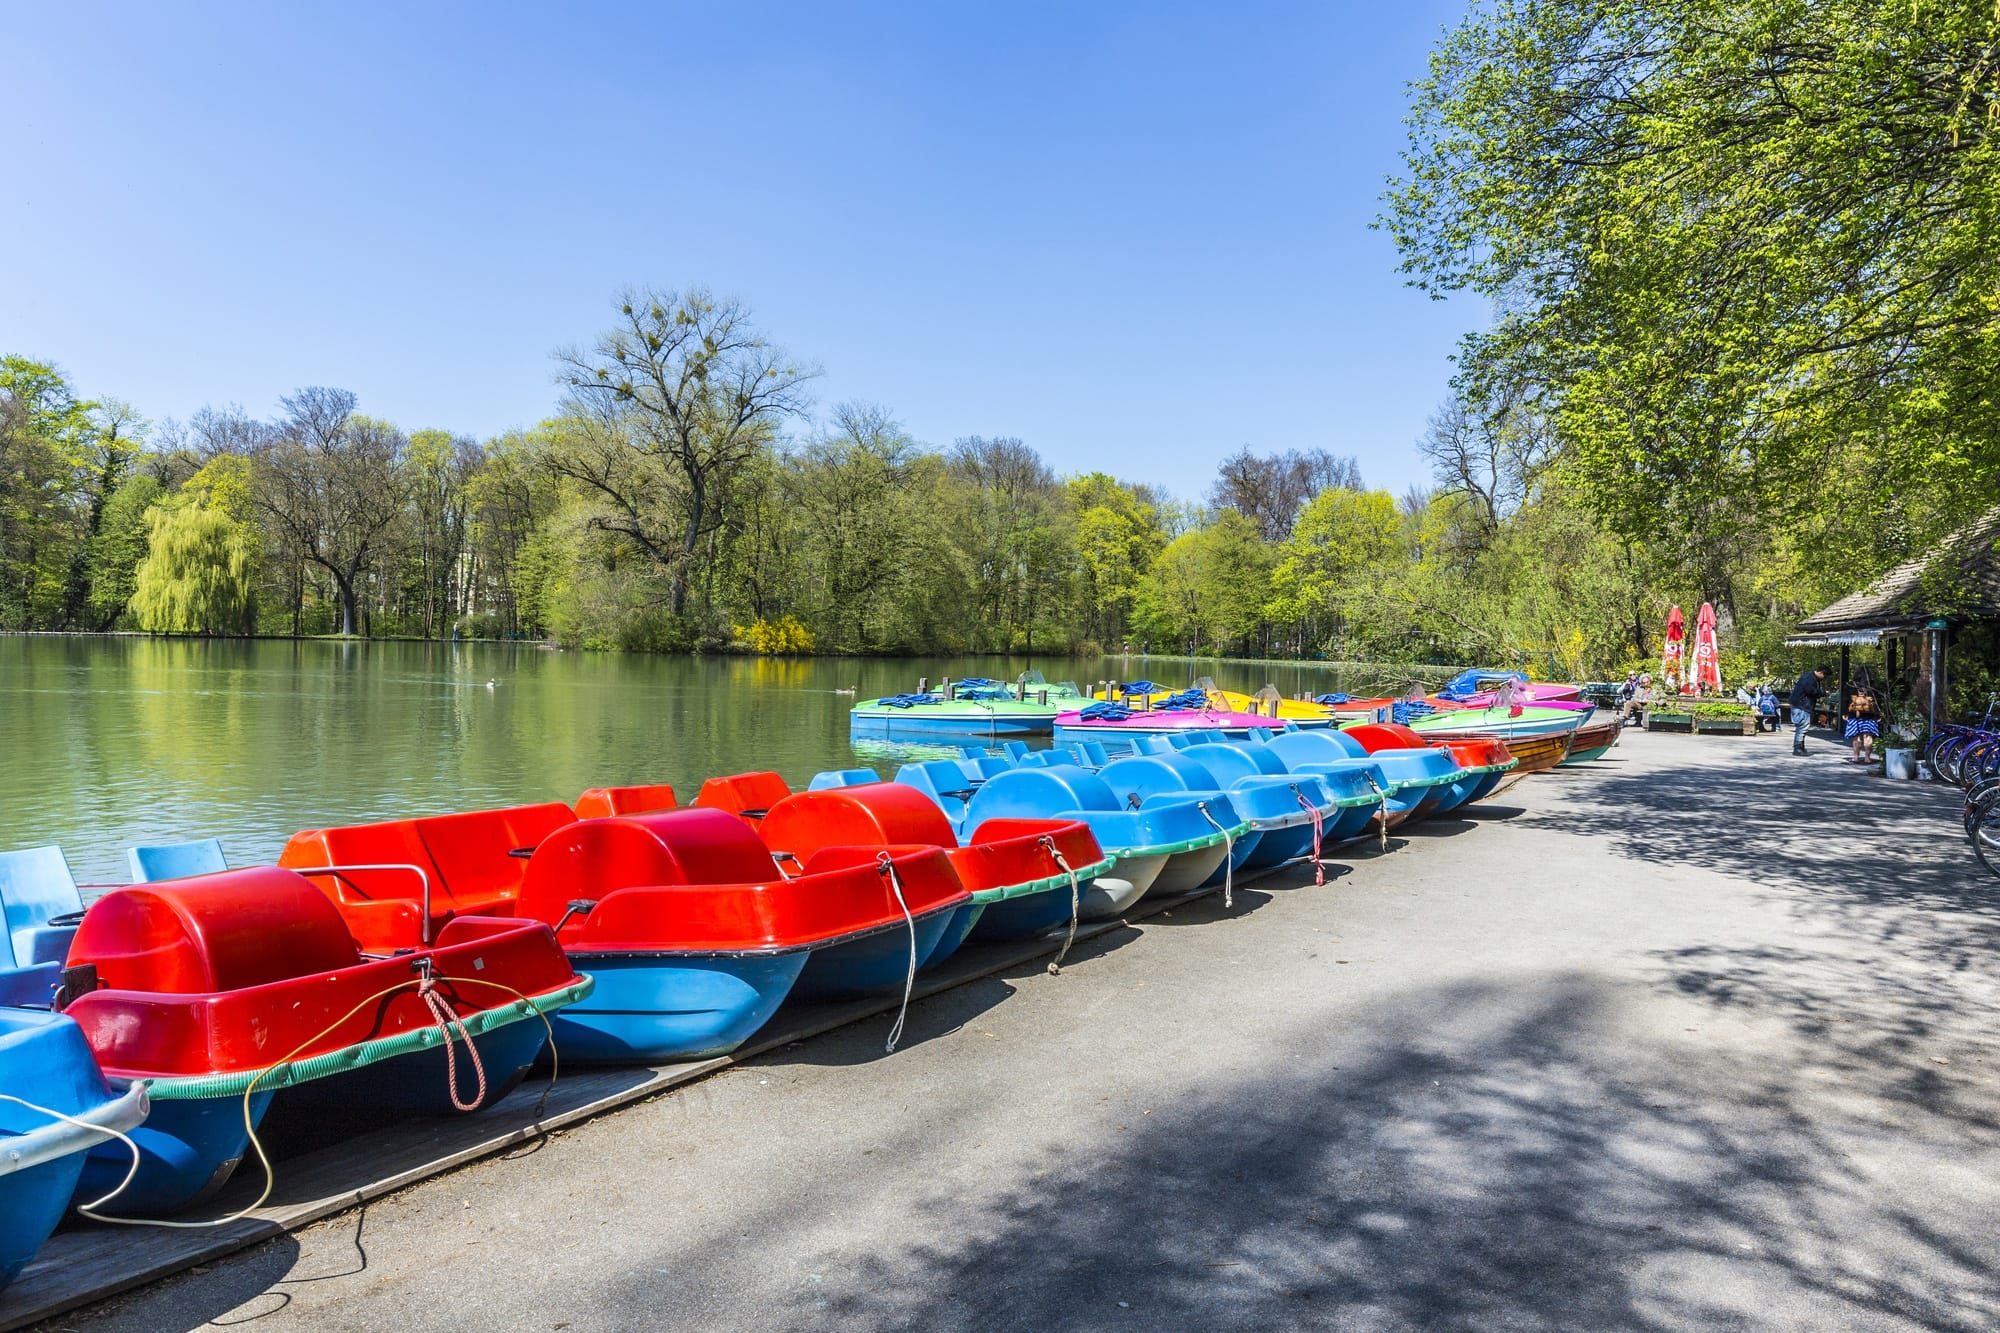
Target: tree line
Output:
{"points": [[680, 498]]}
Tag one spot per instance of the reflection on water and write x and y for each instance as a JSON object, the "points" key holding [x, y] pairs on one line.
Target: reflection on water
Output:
{"points": [[109, 742]]}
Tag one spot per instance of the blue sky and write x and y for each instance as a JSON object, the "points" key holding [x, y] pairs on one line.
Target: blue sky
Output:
{"points": [[1136, 236]]}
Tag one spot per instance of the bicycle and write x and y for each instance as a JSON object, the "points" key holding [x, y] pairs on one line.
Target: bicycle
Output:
{"points": [[1955, 743]]}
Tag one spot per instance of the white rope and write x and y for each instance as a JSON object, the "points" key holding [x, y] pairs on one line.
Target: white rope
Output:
{"points": [[886, 866], [1075, 903], [1382, 821], [119, 1134], [1228, 856]]}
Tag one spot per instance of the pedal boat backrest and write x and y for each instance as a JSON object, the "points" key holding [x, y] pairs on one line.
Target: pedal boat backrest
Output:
{"points": [[176, 860], [603, 802], [471, 863], [36, 887], [748, 795]]}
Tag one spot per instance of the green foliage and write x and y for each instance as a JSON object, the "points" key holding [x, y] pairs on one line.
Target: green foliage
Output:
{"points": [[118, 547], [198, 573], [1742, 255], [1206, 592]]}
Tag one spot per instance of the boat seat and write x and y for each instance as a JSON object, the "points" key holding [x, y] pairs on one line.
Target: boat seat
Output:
{"points": [[1016, 750], [1152, 745], [212, 933], [36, 887], [842, 777], [941, 780], [600, 802], [176, 860], [978, 765], [1094, 754], [747, 794], [474, 851], [468, 857]]}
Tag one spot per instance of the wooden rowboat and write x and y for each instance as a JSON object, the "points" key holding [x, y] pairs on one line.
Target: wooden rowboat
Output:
{"points": [[1590, 742]]}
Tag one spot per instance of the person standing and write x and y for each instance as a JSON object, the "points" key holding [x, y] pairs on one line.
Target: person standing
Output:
{"points": [[1806, 695], [1864, 724]]}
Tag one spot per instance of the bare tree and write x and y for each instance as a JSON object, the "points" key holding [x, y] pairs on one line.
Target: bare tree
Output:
{"points": [[330, 484], [1271, 489], [678, 394], [1492, 455]]}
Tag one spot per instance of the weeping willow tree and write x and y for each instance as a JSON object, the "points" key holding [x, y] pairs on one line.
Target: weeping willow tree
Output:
{"points": [[199, 574]]}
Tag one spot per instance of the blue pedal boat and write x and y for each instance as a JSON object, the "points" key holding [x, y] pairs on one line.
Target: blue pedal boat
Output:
{"points": [[1162, 847], [1338, 760], [46, 1066]]}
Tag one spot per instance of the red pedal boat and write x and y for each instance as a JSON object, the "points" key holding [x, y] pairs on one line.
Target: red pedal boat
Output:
{"points": [[692, 932], [222, 992]]}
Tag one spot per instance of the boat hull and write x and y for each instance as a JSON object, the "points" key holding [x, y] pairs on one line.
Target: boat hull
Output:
{"points": [[654, 1008], [1111, 896], [192, 1144], [45, 1061], [1187, 871], [875, 963]]}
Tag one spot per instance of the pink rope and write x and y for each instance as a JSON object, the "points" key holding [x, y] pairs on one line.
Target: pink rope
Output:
{"points": [[446, 1020], [1319, 866]]}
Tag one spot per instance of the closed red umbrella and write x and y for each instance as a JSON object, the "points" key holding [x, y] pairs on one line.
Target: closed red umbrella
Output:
{"points": [[1707, 671], [1671, 653]]}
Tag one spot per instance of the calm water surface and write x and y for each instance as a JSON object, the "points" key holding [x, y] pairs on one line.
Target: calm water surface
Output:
{"points": [[107, 742]]}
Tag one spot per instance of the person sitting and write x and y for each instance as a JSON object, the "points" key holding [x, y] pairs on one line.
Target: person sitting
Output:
{"points": [[1642, 694], [1767, 708]]}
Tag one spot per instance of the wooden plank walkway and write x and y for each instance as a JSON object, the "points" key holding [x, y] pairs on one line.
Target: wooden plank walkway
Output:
{"points": [[88, 1262]]}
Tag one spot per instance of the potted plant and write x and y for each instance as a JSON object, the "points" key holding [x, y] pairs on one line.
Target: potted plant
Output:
{"points": [[1724, 719], [1671, 713], [1903, 737]]}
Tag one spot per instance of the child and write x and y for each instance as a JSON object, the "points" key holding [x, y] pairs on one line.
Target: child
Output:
{"points": [[1864, 724], [1767, 708]]}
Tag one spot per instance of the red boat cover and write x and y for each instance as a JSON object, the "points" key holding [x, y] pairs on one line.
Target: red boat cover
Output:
{"points": [[1003, 852], [602, 802], [699, 880], [467, 856], [1386, 736], [233, 971]]}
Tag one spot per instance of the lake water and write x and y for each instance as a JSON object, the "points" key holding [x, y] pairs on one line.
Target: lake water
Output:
{"points": [[107, 742]]}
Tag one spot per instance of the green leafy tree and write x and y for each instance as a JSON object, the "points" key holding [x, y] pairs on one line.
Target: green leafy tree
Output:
{"points": [[1738, 249], [1343, 543], [117, 547], [669, 404], [199, 574]]}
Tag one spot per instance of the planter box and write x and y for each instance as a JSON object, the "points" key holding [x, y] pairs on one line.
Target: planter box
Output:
{"points": [[1702, 726]]}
